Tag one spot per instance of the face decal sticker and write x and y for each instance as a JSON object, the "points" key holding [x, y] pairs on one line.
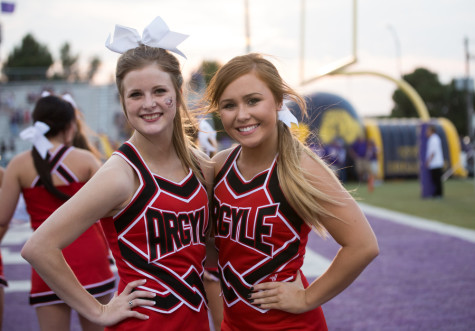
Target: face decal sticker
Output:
{"points": [[169, 102]]}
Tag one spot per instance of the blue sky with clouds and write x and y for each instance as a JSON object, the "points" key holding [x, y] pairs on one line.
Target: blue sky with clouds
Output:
{"points": [[393, 37]]}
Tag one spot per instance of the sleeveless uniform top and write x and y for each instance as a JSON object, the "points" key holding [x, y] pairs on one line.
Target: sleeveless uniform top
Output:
{"points": [[88, 255], [160, 237], [259, 238]]}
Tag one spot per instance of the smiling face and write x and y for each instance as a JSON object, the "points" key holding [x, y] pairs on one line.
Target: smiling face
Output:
{"points": [[149, 100], [248, 112]]}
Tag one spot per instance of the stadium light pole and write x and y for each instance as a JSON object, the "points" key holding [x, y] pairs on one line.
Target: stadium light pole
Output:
{"points": [[468, 90], [338, 66], [469, 100], [302, 39], [398, 47], [247, 28]]}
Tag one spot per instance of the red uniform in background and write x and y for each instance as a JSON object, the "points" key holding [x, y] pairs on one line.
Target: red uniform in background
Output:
{"points": [[88, 255]]}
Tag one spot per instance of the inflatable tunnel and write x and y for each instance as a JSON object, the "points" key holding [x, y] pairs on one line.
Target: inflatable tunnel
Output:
{"points": [[398, 143], [331, 118]]}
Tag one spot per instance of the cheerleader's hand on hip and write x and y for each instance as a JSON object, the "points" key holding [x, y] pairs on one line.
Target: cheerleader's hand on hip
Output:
{"points": [[289, 297], [122, 305]]}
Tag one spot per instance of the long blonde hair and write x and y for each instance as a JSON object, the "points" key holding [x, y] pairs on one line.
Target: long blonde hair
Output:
{"points": [[297, 188], [142, 56]]}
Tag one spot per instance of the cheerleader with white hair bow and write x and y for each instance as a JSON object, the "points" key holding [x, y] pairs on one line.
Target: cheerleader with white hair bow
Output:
{"points": [[151, 196], [47, 176]]}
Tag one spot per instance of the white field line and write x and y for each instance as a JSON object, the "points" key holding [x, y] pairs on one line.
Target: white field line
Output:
{"points": [[420, 223]]}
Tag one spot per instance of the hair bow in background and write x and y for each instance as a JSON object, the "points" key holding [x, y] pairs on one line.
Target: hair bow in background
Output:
{"points": [[285, 115], [156, 34], [67, 97], [36, 135]]}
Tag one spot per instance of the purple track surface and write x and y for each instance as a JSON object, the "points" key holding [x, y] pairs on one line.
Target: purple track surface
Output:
{"points": [[421, 280]]}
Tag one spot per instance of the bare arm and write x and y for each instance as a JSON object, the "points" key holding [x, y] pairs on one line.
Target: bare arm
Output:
{"points": [[3, 229], [358, 248], [10, 190], [101, 196]]}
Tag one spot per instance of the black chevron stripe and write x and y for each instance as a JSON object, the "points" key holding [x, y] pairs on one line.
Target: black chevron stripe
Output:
{"points": [[227, 164], [284, 206], [141, 201], [193, 279], [239, 187], [185, 190], [266, 269]]}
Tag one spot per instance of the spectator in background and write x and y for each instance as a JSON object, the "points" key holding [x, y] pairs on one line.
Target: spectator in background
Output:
{"points": [[435, 161], [3, 280], [3, 148], [335, 155], [358, 154], [15, 122], [372, 163]]}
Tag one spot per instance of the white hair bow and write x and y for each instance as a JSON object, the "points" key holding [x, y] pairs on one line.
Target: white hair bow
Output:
{"points": [[285, 115], [67, 97], [156, 34], [205, 134], [36, 135]]}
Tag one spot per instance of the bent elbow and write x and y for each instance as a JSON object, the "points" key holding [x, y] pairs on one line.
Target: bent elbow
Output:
{"points": [[29, 251], [372, 251]]}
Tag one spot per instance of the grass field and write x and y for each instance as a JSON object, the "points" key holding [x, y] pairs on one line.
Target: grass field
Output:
{"points": [[456, 208]]}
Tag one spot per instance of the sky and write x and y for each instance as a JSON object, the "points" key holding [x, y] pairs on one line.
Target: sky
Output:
{"points": [[393, 37]]}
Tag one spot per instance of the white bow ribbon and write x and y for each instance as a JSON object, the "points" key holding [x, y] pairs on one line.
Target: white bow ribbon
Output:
{"points": [[205, 134], [286, 116], [68, 97], [156, 34], [36, 135]]}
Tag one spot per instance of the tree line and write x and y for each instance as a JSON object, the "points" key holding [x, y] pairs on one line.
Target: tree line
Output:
{"points": [[32, 61], [442, 100]]}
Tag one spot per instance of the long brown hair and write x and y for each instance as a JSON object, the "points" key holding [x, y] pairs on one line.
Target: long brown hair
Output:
{"points": [[142, 56], [295, 183]]}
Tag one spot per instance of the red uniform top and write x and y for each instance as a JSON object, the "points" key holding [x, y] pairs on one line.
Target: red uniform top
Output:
{"points": [[160, 236], [88, 255], [260, 238]]}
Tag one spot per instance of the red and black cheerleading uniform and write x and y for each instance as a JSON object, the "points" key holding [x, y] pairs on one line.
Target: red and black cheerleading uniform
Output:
{"points": [[260, 238], [88, 255], [160, 237]]}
